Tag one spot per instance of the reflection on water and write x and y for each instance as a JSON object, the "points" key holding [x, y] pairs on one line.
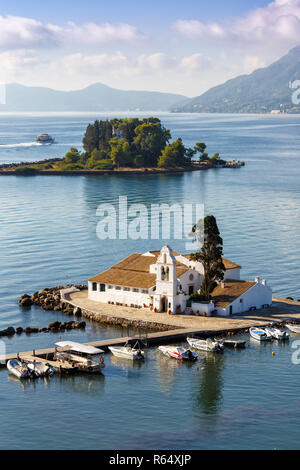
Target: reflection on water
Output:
{"points": [[169, 369], [128, 367], [92, 384], [30, 384], [208, 394], [85, 384]]}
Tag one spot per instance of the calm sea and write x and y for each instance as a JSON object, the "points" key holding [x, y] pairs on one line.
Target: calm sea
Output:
{"points": [[244, 399]]}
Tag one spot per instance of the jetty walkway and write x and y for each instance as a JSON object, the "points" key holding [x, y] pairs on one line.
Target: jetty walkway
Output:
{"points": [[175, 327]]}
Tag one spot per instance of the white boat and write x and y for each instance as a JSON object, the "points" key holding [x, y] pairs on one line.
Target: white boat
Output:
{"points": [[80, 356], [18, 369], [233, 343], [44, 139], [41, 369], [127, 352], [206, 344], [260, 334], [179, 353], [277, 334], [293, 328]]}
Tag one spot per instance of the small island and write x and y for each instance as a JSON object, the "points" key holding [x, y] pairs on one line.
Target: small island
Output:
{"points": [[127, 145]]}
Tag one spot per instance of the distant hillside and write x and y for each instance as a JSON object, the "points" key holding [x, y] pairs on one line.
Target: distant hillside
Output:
{"points": [[97, 97], [262, 91]]}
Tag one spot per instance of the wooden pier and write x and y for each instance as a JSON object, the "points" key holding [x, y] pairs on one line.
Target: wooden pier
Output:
{"points": [[152, 339]]}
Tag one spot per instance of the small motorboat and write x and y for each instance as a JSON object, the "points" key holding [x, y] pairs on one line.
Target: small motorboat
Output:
{"points": [[128, 352], [278, 334], [233, 343], [41, 369], [81, 356], [260, 334], [293, 328], [44, 139], [206, 344], [179, 353], [18, 369]]}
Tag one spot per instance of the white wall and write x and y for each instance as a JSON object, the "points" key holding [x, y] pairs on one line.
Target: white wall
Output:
{"points": [[121, 296], [203, 308], [257, 296], [185, 280]]}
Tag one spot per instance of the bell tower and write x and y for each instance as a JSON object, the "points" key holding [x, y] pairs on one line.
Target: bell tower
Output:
{"points": [[166, 278]]}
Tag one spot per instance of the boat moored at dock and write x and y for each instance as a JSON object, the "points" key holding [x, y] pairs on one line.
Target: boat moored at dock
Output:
{"points": [[18, 369], [81, 356], [207, 345], [128, 352], [232, 343], [278, 334], [179, 353], [40, 369], [260, 334]]}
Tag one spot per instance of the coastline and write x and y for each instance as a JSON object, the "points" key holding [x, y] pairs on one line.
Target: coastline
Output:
{"points": [[28, 171], [77, 304], [135, 171]]}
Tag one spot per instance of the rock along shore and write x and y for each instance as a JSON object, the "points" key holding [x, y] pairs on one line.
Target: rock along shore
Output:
{"points": [[49, 299]]}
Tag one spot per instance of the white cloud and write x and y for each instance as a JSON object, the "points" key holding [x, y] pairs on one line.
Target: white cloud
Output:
{"points": [[92, 63], [195, 62], [14, 64], [18, 32], [157, 61], [195, 28], [278, 21]]}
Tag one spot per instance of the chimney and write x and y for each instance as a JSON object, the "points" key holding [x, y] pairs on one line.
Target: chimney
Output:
{"points": [[264, 282], [223, 285], [257, 279]]}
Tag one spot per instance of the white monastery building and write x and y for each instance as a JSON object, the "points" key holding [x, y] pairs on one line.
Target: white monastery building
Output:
{"points": [[164, 281]]}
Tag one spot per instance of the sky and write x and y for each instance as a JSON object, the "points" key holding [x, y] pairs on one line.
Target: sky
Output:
{"points": [[183, 47]]}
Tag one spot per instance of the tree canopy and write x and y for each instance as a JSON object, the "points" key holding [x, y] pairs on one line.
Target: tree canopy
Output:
{"points": [[210, 254], [131, 142]]}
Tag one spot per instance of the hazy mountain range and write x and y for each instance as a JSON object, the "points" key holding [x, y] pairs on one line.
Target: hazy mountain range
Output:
{"points": [[97, 97], [262, 91]]}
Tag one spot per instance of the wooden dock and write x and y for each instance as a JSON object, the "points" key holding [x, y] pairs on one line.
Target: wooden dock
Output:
{"points": [[152, 339]]}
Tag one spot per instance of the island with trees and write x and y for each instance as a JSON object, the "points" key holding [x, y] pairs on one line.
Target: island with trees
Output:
{"points": [[127, 144]]}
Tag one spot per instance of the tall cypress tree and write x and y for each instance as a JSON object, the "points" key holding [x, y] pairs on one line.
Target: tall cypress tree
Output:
{"points": [[210, 254]]}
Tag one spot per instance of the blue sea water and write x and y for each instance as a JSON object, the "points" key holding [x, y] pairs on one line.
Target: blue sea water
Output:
{"points": [[244, 399]]}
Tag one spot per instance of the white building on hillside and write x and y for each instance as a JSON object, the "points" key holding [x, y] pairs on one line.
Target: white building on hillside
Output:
{"points": [[164, 281]]}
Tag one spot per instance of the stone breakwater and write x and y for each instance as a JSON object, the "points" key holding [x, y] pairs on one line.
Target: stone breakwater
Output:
{"points": [[54, 327], [125, 322], [49, 299]]}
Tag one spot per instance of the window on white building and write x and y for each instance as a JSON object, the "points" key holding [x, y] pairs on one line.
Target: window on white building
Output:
{"points": [[144, 291], [135, 290], [118, 288], [126, 289], [94, 286], [102, 287]]}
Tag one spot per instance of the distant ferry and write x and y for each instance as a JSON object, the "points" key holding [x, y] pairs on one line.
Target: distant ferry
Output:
{"points": [[44, 139]]}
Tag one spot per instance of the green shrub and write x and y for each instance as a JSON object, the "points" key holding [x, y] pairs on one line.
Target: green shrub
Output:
{"points": [[26, 170], [70, 166], [103, 165]]}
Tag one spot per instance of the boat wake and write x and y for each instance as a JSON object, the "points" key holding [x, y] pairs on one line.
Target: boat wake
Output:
{"points": [[22, 144]]}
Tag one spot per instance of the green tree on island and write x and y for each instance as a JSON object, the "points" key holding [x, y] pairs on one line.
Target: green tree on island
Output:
{"points": [[210, 254], [173, 155], [131, 142], [151, 138]]}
